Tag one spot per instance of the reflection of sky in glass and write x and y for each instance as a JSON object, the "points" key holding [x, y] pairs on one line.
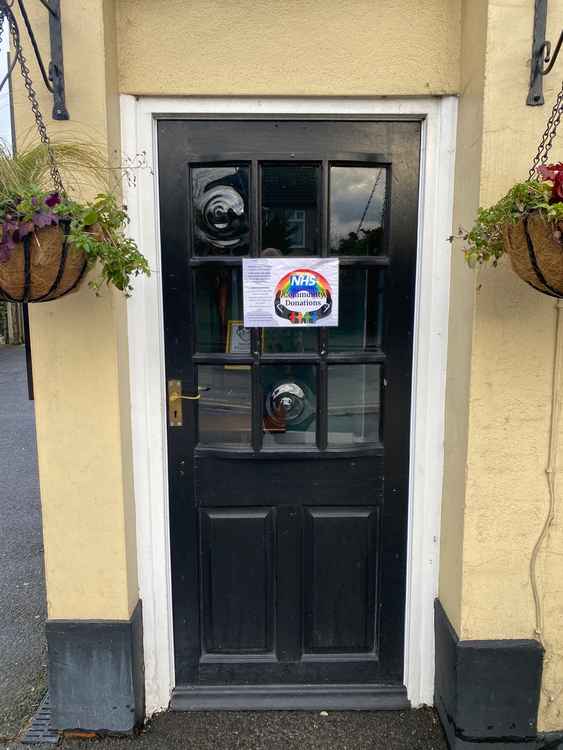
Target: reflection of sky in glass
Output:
{"points": [[350, 190], [4, 96]]}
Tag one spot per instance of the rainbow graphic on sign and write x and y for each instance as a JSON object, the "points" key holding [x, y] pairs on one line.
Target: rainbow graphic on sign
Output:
{"points": [[303, 297]]}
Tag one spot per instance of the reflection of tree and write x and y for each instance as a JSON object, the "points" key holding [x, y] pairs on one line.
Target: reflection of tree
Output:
{"points": [[276, 231], [371, 243]]}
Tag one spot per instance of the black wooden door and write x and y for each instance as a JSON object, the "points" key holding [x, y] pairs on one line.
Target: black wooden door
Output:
{"points": [[289, 534]]}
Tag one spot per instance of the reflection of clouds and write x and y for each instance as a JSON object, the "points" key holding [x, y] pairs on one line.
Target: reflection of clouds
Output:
{"points": [[350, 189]]}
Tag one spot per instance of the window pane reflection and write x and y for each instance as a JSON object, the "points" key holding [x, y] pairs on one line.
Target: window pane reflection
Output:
{"points": [[357, 210], [220, 210], [360, 314], [218, 296], [290, 210], [354, 404], [224, 405], [290, 404], [289, 340]]}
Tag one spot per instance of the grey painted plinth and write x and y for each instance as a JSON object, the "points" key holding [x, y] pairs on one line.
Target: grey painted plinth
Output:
{"points": [[96, 680]]}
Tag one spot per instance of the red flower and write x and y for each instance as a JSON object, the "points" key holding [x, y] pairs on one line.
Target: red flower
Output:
{"points": [[553, 173], [557, 194], [548, 171]]}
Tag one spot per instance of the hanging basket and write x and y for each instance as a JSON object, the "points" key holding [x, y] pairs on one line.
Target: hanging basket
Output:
{"points": [[45, 266], [535, 254]]}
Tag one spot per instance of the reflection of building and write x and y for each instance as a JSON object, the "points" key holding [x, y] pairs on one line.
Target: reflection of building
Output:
{"points": [[290, 213]]}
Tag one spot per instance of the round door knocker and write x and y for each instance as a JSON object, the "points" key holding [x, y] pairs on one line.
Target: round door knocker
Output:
{"points": [[289, 404]]}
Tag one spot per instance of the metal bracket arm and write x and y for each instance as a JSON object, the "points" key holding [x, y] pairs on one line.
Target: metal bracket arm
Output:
{"points": [[53, 75], [542, 60]]}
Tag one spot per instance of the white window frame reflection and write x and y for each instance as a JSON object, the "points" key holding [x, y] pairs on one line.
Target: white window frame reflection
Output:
{"points": [[297, 220]]}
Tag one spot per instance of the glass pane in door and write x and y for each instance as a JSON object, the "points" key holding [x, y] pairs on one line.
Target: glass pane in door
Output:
{"points": [[289, 340], [290, 210], [360, 314], [354, 404], [218, 301], [220, 217], [224, 405], [289, 405], [358, 198]]}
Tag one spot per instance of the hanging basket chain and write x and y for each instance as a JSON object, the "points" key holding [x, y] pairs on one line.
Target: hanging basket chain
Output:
{"points": [[549, 134], [6, 13]]}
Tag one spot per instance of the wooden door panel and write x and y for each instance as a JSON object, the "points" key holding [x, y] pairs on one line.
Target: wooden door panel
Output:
{"points": [[289, 550], [248, 480], [340, 548], [237, 565]]}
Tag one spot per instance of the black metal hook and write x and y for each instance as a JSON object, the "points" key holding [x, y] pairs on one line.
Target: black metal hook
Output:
{"points": [[548, 58], [53, 76], [542, 60]]}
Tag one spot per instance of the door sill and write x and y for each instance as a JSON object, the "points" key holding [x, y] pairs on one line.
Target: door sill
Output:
{"points": [[289, 698]]}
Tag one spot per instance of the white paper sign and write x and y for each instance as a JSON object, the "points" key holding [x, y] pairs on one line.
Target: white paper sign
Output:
{"points": [[290, 292]]}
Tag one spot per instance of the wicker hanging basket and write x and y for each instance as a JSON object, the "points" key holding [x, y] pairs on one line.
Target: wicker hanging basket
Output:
{"points": [[45, 266], [536, 254]]}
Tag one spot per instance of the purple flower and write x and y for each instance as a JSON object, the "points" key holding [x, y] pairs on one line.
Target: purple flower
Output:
{"points": [[52, 200], [25, 228], [43, 220], [7, 243]]}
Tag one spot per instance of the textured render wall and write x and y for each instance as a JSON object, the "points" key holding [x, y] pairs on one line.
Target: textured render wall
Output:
{"points": [[462, 292], [268, 47], [80, 367], [513, 348]]}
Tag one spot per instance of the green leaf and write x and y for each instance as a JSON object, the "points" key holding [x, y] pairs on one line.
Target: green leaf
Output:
{"points": [[90, 218]]}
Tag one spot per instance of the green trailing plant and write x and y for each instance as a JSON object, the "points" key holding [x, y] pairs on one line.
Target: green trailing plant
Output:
{"points": [[97, 227], [484, 242]]}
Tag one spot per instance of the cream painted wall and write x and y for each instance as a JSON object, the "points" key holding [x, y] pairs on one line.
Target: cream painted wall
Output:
{"points": [[80, 366], [462, 292], [513, 349], [270, 47]]}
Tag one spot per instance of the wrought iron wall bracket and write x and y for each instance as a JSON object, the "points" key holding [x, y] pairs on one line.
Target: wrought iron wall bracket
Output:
{"points": [[542, 59], [53, 75]]}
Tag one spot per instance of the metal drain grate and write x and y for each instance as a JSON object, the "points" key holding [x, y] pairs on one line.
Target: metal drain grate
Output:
{"points": [[40, 731]]}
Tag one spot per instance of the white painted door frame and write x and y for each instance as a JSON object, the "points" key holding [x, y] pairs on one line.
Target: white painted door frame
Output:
{"points": [[147, 371]]}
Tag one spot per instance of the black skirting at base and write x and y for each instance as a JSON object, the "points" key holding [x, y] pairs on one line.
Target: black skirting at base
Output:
{"points": [[487, 692], [96, 674]]}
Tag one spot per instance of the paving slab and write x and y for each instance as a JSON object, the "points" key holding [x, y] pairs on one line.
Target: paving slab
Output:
{"points": [[22, 587]]}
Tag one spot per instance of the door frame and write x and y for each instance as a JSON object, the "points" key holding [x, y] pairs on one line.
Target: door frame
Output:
{"points": [[147, 370]]}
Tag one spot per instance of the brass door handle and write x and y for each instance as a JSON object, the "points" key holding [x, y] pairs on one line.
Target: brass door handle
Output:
{"points": [[175, 398]]}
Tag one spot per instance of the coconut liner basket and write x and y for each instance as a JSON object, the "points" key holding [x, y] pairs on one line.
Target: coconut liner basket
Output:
{"points": [[43, 267], [536, 254]]}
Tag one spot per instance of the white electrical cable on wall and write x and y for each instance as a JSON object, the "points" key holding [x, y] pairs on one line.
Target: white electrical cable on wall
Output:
{"points": [[551, 468]]}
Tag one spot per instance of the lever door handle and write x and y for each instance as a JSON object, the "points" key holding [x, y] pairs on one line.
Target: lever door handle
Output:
{"points": [[175, 398]]}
